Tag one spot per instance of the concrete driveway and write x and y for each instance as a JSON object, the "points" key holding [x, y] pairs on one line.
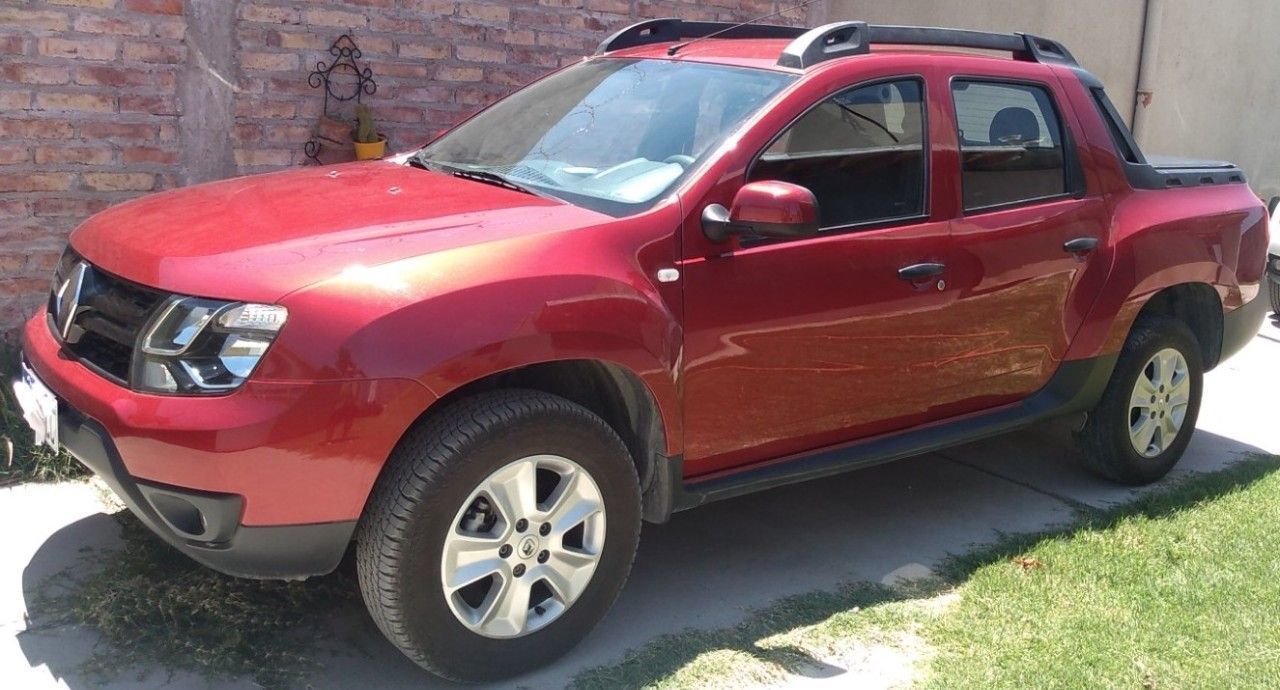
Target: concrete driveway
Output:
{"points": [[707, 567]]}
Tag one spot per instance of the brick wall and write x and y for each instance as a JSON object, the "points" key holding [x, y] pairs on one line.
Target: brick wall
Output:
{"points": [[105, 100], [87, 119]]}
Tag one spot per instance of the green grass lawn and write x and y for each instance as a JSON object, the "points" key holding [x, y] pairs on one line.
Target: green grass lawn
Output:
{"points": [[1180, 589]]}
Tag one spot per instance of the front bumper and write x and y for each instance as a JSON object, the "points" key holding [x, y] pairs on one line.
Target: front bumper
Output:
{"points": [[203, 525], [267, 481]]}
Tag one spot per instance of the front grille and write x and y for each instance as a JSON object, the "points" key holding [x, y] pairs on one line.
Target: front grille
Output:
{"points": [[106, 319]]}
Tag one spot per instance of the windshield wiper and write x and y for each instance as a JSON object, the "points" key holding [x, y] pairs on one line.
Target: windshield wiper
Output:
{"points": [[488, 177], [419, 160], [499, 180]]}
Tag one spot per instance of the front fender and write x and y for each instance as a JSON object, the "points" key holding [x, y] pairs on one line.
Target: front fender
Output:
{"points": [[450, 318]]}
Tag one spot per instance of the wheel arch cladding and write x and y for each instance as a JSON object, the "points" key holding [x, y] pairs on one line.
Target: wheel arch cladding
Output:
{"points": [[612, 391], [1199, 307]]}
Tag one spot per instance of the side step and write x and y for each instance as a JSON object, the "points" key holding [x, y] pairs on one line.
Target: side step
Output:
{"points": [[1075, 387]]}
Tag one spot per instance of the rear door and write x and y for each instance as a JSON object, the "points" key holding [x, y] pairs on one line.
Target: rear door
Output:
{"points": [[1029, 233]]}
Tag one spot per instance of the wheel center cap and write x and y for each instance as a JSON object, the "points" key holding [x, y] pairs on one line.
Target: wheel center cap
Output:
{"points": [[528, 547]]}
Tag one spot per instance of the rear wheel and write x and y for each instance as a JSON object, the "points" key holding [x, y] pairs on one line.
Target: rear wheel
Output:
{"points": [[1143, 424], [500, 535], [1273, 282]]}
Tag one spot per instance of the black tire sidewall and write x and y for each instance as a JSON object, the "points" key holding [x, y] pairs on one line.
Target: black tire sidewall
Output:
{"points": [[431, 624], [1156, 335]]}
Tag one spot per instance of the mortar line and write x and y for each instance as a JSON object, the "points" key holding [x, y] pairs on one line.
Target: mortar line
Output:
{"points": [[1079, 506]]}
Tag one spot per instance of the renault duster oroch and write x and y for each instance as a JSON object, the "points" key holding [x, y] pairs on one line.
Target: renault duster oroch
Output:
{"points": [[705, 261]]}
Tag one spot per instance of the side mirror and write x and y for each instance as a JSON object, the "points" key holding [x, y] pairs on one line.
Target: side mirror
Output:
{"points": [[768, 208]]}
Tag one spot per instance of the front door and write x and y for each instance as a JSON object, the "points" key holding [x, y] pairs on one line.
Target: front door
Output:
{"points": [[795, 345]]}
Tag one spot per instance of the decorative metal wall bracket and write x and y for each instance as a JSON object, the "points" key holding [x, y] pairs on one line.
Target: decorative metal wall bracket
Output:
{"points": [[358, 84]]}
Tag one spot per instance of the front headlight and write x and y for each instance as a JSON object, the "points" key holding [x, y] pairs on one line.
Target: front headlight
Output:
{"points": [[200, 346]]}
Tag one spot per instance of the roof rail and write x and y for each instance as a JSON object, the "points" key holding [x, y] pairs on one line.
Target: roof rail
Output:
{"points": [[672, 29], [855, 38], [839, 39]]}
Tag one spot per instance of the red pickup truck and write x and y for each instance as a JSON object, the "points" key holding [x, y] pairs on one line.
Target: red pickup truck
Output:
{"points": [[705, 261]]}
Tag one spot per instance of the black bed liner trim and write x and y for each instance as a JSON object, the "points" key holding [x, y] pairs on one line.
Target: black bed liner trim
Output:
{"points": [[1156, 172]]}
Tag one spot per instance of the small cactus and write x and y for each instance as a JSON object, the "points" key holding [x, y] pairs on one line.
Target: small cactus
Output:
{"points": [[365, 131]]}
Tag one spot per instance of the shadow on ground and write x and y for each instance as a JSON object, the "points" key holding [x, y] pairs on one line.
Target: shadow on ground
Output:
{"points": [[704, 569]]}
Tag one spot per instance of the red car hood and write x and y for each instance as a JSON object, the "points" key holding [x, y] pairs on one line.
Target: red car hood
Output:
{"points": [[258, 238]]}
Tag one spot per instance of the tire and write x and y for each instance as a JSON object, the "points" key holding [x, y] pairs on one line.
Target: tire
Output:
{"points": [[1107, 446], [428, 495], [1273, 282]]}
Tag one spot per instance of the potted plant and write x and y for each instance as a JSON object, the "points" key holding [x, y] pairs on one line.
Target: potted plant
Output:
{"points": [[370, 144]]}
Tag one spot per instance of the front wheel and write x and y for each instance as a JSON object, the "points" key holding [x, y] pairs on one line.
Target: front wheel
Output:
{"points": [[500, 534], [1143, 424]]}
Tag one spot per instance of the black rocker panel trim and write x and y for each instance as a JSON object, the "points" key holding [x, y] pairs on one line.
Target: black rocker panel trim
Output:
{"points": [[1075, 387]]}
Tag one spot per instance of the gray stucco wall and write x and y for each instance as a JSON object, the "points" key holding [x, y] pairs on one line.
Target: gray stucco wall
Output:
{"points": [[1215, 79], [1217, 86]]}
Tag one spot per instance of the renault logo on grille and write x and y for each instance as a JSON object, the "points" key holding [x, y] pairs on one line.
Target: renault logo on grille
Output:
{"points": [[68, 300]]}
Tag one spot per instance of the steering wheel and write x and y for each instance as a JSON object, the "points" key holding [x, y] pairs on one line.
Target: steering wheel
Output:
{"points": [[680, 159]]}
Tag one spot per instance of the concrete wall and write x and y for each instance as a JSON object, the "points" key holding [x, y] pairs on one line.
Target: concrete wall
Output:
{"points": [[1217, 86], [1214, 93]]}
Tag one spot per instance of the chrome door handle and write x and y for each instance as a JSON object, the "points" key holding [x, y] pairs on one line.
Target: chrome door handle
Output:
{"points": [[918, 272], [1080, 245]]}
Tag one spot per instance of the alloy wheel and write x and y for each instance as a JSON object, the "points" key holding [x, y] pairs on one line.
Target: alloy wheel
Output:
{"points": [[523, 547], [1158, 404]]}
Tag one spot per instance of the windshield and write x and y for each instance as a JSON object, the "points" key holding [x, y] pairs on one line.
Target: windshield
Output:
{"points": [[609, 134]]}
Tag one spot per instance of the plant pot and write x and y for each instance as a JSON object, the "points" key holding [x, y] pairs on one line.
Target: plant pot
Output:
{"points": [[373, 151]]}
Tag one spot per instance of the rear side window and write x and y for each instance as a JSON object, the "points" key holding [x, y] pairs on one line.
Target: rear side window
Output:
{"points": [[861, 153], [1011, 144]]}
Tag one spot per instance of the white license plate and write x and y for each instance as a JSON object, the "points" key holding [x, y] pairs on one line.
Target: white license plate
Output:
{"points": [[39, 407]]}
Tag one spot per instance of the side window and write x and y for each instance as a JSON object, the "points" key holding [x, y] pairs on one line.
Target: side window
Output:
{"points": [[862, 153], [1011, 143]]}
